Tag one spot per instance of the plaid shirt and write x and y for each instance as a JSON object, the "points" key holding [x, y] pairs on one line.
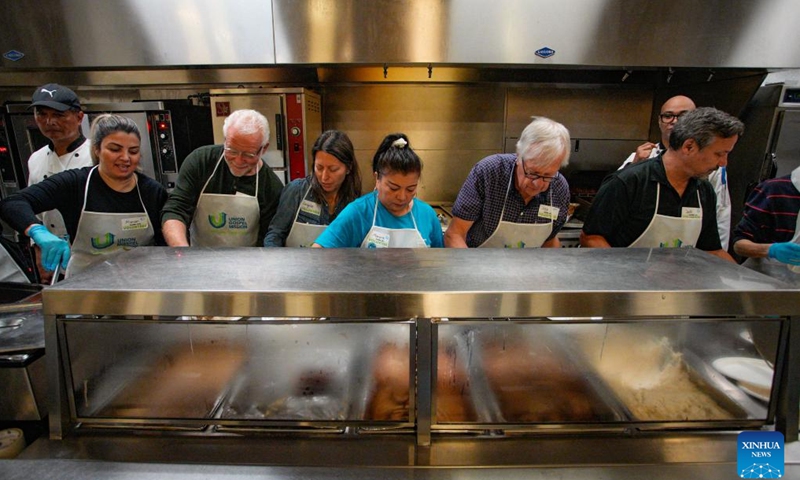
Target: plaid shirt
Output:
{"points": [[483, 195]]}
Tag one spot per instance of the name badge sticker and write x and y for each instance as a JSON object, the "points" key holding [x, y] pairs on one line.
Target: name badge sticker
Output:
{"points": [[691, 212], [311, 208], [549, 212], [134, 223], [378, 240]]}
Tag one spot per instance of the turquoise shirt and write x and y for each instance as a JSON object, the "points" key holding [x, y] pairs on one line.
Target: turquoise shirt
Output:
{"points": [[352, 225]]}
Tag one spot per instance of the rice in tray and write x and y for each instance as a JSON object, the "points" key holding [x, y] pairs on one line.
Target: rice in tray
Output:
{"points": [[652, 380]]}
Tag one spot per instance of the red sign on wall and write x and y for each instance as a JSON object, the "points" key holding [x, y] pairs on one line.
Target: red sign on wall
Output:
{"points": [[223, 109]]}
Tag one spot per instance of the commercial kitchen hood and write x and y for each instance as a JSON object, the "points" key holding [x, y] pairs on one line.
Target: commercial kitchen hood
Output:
{"points": [[621, 34]]}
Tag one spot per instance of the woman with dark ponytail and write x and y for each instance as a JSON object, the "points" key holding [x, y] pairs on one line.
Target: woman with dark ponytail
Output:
{"points": [[390, 216]]}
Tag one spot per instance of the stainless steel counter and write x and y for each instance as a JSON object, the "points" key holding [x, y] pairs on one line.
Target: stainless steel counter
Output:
{"points": [[82, 470], [149, 291], [711, 456], [420, 283], [774, 269]]}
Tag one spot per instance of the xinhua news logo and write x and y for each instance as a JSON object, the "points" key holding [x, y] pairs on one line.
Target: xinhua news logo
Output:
{"points": [[759, 455]]}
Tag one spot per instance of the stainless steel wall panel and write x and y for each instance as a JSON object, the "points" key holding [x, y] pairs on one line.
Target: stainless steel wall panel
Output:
{"points": [[131, 33], [450, 127], [178, 78], [586, 112], [681, 33]]}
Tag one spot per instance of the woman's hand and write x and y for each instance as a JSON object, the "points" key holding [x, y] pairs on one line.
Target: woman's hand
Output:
{"points": [[55, 250]]}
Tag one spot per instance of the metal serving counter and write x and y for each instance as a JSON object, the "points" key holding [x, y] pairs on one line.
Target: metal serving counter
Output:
{"points": [[421, 283], [417, 357]]}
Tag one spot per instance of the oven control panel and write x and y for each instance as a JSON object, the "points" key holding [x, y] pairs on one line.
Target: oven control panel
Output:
{"points": [[164, 147]]}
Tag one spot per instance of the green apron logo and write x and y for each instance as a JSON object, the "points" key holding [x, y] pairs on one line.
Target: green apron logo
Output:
{"points": [[102, 242], [218, 220]]}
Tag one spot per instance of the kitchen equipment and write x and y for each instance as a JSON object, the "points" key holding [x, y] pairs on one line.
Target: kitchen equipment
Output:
{"points": [[22, 365], [770, 146], [158, 157], [12, 441], [8, 171], [433, 297], [295, 122], [444, 212], [191, 126], [753, 375]]}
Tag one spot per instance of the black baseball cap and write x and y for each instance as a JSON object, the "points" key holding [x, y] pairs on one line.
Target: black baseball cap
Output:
{"points": [[55, 96]]}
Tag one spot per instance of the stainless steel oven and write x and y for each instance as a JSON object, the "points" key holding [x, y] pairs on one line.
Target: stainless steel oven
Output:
{"points": [[159, 159], [295, 122]]}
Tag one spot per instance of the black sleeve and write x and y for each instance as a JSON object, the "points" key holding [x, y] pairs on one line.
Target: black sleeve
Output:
{"points": [[63, 192], [609, 209], [709, 235], [193, 174], [268, 202]]}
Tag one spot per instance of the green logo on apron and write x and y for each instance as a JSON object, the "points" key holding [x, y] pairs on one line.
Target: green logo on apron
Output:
{"points": [[105, 241], [218, 220]]}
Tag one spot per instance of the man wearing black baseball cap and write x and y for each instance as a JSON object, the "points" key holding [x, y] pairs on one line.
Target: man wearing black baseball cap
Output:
{"points": [[58, 115]]}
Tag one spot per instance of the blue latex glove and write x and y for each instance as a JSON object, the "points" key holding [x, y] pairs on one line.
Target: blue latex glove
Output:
{"points": [[787, 252], [54, 249]]}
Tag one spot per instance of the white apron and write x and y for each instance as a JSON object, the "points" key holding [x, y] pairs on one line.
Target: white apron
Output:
{"points": [[521, 235], [222, 220], [382, 237], [103, 233], [670, 232], [304, 234], [10, 271]]}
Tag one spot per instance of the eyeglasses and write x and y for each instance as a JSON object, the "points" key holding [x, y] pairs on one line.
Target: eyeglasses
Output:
{"points": [[669, 117], [535, 176], [233, 153]]}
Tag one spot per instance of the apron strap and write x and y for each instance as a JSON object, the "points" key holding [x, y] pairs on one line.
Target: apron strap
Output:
{"points": [[213, 172], [302, 199], [508, 189]]}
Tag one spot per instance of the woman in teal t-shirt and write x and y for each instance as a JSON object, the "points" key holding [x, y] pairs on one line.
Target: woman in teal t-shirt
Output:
{"points": [[390, 216]]}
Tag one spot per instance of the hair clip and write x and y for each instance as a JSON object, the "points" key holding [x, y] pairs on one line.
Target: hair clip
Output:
{"points": [[400, 143]]}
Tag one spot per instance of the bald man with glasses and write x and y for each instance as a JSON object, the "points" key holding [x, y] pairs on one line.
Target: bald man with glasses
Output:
{"points": [[225, 195], [515, 200], [671, 111]]}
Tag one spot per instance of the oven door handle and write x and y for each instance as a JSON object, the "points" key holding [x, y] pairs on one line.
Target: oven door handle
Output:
{"points": [[279, 131]]}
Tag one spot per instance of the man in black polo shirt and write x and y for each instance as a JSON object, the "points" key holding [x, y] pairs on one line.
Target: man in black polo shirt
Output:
{"points": [[667, 202]]}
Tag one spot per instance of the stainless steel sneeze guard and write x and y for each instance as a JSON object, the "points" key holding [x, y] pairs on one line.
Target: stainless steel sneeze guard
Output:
{"points": [[440, 322]]}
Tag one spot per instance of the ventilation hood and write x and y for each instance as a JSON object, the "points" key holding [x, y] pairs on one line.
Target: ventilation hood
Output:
{"points": [[621, 35]]}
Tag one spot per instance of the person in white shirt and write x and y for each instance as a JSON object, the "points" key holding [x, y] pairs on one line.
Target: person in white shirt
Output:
{"points": [[58, 114], [670, 112]]}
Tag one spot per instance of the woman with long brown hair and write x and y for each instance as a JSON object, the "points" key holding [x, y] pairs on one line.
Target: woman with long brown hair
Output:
{"points": [[308, 205]]}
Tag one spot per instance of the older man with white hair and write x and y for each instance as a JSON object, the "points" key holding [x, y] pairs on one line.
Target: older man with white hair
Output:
{"points": [[225, 195], [515, 200]]}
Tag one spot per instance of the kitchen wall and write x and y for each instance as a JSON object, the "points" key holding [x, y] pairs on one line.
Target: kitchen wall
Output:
{"points": [[451, 127], [459, 116]]}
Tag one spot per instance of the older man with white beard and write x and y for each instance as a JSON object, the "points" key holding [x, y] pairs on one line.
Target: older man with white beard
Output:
{"points": [[225, 195]]}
